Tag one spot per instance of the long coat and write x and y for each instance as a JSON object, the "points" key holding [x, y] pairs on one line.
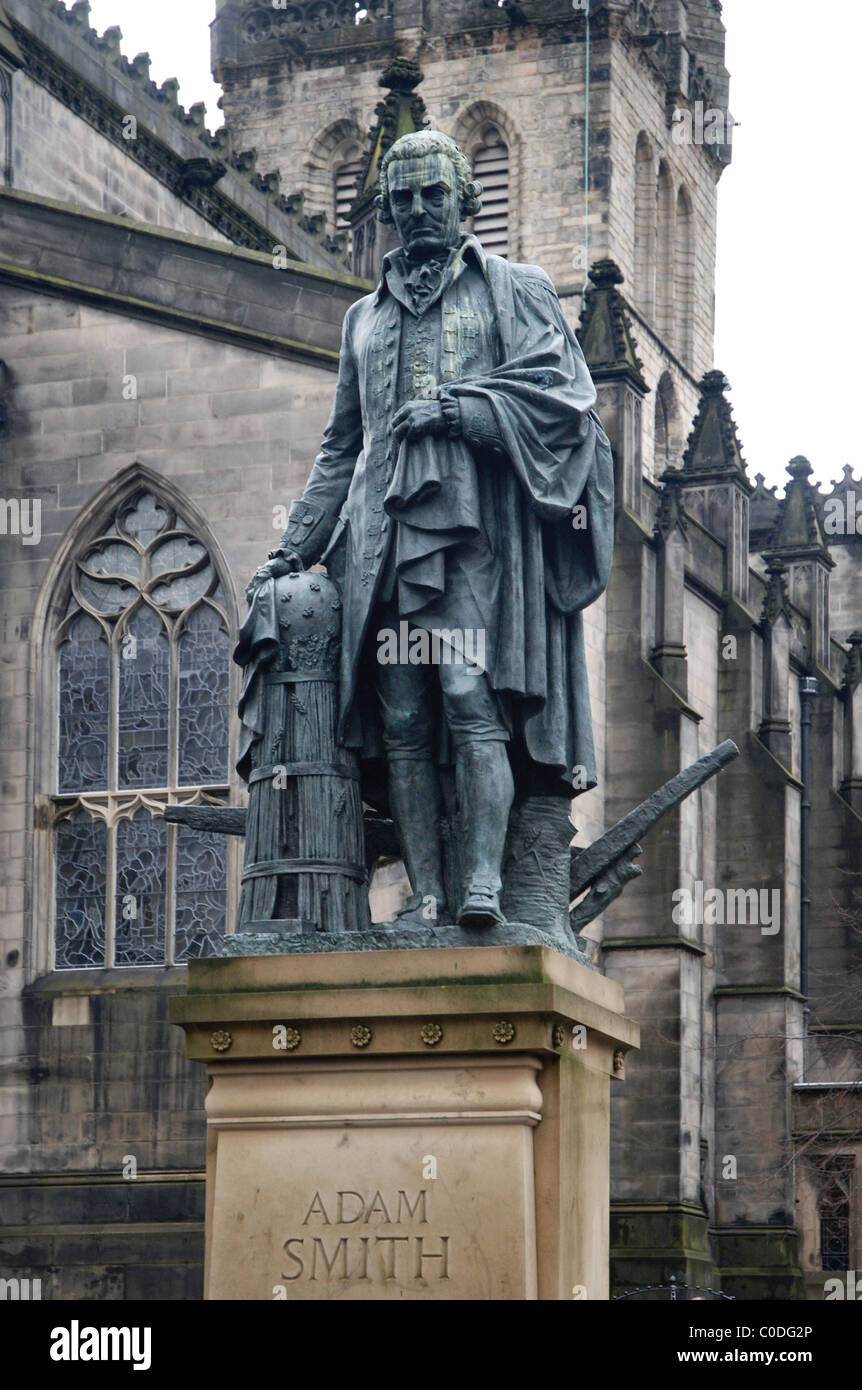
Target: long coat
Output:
{"points": [[552, 456]]}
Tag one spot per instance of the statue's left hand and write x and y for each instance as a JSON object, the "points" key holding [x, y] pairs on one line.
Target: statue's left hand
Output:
{"points": [[417, 418], [273, 569]]}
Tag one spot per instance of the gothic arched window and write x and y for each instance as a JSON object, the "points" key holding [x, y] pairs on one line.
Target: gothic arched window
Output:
{"points": [[5, 123], [143, 663], [345, 188], [833, 1209], [665, 425], [346, 173], [685, 278], [645, 226], [491, 168], [665, 250]]}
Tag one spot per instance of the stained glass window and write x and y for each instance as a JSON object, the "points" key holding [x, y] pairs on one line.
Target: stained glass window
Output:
{"points": [[143, 665], [85, 678], [144, 705], [201, 886], [81, 863], [140, 909], [834, 1213], [203, 698]]}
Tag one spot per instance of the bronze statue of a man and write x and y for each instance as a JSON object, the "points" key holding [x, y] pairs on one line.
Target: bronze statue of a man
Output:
{"points": [[461, 448]]}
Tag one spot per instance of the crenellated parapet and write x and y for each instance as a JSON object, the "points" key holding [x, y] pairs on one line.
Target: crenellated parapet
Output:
{"points": [[683, 44], [90, 75], [764, 507]]}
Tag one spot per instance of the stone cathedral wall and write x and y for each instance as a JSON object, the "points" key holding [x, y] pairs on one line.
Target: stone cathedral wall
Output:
{"points": [[94, 1077], [57, 154]]}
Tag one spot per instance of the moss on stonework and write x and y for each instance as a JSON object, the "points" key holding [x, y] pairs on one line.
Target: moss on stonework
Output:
{"points": [[653, 1243]]}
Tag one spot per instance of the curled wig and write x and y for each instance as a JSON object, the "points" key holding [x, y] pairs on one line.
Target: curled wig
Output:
{"points": [[420, 143]]}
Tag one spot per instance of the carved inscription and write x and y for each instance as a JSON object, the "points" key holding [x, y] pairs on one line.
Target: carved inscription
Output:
{"points": [[369, 1249]]}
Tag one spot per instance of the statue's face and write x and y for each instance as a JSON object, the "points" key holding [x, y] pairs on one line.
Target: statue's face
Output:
{"points": [[423, 195]]}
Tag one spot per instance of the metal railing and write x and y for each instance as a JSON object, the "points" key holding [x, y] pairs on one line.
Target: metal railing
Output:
{"points": [[676, 1290]]}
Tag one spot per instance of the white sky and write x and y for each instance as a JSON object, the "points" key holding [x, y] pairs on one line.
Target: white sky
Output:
{"points": [[787, 293]]}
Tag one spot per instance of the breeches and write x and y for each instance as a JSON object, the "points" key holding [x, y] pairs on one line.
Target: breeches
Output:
{"points": [[409, 697]]}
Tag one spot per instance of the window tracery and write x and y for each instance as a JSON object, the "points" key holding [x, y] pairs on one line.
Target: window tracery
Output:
{"points": [[143, 719]]}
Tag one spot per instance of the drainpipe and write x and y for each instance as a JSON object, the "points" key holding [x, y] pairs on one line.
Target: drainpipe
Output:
{"points": [[808, 690]]}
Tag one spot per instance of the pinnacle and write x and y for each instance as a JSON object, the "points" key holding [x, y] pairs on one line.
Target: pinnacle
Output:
{"points": [[713, 445], [605, 332], [797, 527]]}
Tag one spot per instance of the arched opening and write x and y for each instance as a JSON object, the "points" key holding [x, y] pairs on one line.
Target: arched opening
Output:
{"points": [[137, 654], [345, 185], [665, 433], [665, 248], [492, 144], [332, 171], [645, 227], [834, 1211], [685, 278], [5, 123], [491, 168]]}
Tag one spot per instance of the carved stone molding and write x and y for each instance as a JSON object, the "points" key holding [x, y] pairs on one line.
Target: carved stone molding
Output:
{"points": [[192, 178]]}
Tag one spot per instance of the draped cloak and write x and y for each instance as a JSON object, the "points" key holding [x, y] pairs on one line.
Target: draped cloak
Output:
{"points": [[497, 503]]}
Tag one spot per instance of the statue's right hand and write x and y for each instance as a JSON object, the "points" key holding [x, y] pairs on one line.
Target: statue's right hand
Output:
{"points": [[273, 569]]}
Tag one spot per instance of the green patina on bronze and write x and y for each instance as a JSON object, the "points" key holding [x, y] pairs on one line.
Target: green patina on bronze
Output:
{"points": [[461, 440]]}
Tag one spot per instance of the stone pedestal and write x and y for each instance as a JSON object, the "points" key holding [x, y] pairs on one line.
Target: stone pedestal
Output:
{"points": [[406, 1124]]}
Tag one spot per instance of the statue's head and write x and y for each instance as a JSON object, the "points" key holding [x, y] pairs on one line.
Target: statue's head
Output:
{"points": [[426, 190]]}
